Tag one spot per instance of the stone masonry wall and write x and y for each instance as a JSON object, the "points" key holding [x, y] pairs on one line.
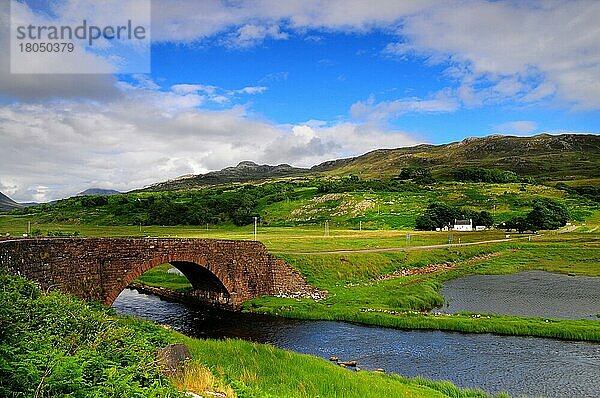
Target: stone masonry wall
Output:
{"points": [[100, 268]]}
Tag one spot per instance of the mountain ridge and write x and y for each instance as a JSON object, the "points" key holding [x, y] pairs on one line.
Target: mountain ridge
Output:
{"points": [[543, 156], [245, 171], [7, 204], [98, 191]]}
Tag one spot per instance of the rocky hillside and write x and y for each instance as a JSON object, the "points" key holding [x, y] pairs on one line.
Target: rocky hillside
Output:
{"points": [[560, 157], [545, 157], [7, 204], [245, 171]]}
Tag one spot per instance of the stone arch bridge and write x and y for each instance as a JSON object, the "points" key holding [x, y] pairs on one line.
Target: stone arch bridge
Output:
{"points": [[223, 271]]}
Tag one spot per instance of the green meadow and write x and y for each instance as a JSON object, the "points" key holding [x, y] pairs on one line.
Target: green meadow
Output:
{"points": [[56, 345]]}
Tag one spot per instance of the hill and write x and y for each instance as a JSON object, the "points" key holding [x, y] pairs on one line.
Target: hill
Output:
{"points": [[243, 172], [97, 191], [545, 157], [7, 204]]}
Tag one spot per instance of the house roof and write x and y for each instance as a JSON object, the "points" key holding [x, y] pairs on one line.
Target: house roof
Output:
{"points": [[462, 222]]}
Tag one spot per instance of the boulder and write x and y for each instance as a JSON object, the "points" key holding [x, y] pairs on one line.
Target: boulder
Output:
{"points": [[172, 358]]}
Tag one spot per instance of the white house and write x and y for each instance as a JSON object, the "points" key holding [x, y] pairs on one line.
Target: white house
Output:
{"points": [[463, 225]]}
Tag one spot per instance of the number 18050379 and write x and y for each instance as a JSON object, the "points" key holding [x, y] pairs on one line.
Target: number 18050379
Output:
{"points": [[46, 47]]}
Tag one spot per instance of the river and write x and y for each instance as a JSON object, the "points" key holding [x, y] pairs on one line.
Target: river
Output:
{"points": [[527, 293], [521, 366]]}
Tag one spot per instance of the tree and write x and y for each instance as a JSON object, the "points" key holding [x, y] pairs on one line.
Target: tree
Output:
{"points": [[419, 175], [546, 214], [483, 218], [438, 215], [425, 223]]}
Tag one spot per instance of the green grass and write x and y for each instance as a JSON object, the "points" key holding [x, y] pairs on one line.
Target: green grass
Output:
{"points": [[398, 210], [356, 294], [263, 370], [301, 204], [159, 277], [56, 345]]}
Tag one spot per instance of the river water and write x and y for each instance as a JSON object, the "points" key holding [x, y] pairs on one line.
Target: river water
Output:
{"points": [[522, 366], [527, 293]]}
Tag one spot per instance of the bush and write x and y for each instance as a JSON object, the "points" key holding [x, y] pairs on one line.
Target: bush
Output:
{"points": [[54, 345]]}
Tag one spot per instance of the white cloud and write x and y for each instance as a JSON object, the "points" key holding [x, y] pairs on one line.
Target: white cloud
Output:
{"points": [[250, 34], [148, 135], [548, 47], [518, 127], [442, 101], [501, 51], [252, 90], [190, 20]]}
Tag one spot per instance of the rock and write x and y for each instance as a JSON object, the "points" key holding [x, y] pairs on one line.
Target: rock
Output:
{"points": [[347, 363], [216, 394], [334, 359], [379, 370], [172, 358]]}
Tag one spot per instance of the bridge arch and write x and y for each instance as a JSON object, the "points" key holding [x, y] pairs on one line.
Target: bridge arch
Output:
{"points": [[211, 286], [100, 268]]}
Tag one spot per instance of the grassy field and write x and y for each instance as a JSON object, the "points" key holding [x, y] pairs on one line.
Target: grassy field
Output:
{"points": [[277, 239], [368, 287], [56, 345], [398, 210], [304, 204]]}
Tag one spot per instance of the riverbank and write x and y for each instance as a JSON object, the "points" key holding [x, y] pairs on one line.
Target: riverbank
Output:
{"points": [[56, 345], [398, 289]]}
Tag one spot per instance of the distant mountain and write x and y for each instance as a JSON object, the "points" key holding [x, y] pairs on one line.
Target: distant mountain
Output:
{"points": [[97, 191], [243, 172], [7, 204], [544, 156]]}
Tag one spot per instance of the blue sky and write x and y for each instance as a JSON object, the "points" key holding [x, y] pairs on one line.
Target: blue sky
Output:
{"points": [[320, 75], [298, 82]]}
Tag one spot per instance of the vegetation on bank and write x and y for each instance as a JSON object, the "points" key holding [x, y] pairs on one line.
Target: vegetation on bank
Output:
{"points": [[379, 289], [346, 202], [397, 289], [55, 345]]}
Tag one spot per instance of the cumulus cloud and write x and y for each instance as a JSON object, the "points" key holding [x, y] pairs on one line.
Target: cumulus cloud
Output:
{"points": [[523, 50], [496, 51], [190, 20], [57, 148], [504, 50]]}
